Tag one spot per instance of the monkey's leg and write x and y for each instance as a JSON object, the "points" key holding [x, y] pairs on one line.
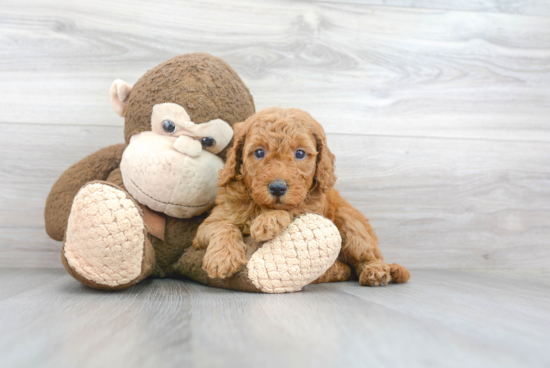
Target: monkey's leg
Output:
{"points": [[106, 245], [287, 263], [190, 267]]}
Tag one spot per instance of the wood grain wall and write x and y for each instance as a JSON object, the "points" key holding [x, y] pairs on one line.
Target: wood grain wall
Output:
{"points": [[439, 114]]}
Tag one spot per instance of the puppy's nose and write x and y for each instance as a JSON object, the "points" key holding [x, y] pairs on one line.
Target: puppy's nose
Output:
{"points": [[278, 188]]}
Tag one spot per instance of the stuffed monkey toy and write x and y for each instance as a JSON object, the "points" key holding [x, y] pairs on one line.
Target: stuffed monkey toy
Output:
{"points": [[130, 211]]}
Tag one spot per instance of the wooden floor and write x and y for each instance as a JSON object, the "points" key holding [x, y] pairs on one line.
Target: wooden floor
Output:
{"points": [[440, 319]]}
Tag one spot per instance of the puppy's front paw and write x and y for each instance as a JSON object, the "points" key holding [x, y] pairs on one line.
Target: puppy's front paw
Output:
{"points": [[202, 237], [268, 225], [223, 261], [375, 274], [198, 243]]}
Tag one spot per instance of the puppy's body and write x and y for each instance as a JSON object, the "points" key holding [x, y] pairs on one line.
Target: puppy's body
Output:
{"points": [[278, 169]]}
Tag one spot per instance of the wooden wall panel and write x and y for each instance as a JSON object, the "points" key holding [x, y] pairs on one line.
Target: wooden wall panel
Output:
{"points": [[435, 203], [357, 68], [439, 118], [528, 7]]}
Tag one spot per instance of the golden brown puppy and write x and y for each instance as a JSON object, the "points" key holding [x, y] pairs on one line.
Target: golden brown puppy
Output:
{"points": [[279, 168]]}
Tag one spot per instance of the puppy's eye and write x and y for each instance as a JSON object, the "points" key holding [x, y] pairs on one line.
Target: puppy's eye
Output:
{"points": [[300, 155], [168, 126], [208, 142], [259, 153]]}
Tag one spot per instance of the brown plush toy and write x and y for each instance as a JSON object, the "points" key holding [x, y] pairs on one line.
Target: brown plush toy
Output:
{"points": [[131, 210]]}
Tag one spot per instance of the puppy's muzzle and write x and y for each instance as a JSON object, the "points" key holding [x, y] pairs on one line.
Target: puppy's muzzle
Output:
{"points": [[278, 188]]}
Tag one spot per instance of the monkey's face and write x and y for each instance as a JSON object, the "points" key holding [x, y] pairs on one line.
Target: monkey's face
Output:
{"points": [[174, 167], [171, 164]]}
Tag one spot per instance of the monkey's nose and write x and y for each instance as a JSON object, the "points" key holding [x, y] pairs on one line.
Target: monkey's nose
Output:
{"points": [[278, 188], [188, 146]]}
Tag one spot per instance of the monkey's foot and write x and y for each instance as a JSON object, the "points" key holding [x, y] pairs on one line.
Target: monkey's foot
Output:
{"points": [[105, 244], [300, 255]]}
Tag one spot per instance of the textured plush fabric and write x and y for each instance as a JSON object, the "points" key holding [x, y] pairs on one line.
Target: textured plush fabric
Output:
{"points": [[204, 85], [177, 238], [190, 266], [155, 222], [97, 166], [219, 130], [119, 92], [166, 180], [188, 146], [102, 264], [302, 253], [105, 236]]}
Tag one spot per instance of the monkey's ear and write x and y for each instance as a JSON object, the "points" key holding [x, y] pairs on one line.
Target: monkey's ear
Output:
{"points": [[120, 93]]}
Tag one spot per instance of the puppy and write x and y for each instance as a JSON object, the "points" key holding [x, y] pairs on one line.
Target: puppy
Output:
{"points": [[279, 168]]}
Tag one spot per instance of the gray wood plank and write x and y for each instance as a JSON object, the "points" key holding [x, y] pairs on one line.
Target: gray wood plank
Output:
{"points": [[28, 247], [358, 68], [435, 203], [509, 308], [439, 319], [528, 7], [14, 281]]}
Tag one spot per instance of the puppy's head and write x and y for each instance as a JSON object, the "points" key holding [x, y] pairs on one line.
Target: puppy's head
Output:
{"points": [[281, 156]]}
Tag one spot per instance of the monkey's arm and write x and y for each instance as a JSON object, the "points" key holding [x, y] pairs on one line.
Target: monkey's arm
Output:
{"points": [[96, 166]]}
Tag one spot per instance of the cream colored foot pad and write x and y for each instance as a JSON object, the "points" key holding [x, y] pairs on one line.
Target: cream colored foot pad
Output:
{"points": [[105, 238], [302, 253]]}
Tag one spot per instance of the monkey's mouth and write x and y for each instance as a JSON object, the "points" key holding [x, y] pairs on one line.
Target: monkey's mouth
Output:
{"points": [[170, 203]]}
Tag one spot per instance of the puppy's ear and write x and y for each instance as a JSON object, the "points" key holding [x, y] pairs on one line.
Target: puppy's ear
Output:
{"points": [[234, 157], [324, 173]]}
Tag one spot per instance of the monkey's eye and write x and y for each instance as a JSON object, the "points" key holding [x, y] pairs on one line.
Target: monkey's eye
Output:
{"points": [[300, 155], [208, 142], [259, 153], [168, 126]]}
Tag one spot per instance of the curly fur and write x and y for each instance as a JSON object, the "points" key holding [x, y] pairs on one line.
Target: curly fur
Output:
{"points": [[245, 206]]}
